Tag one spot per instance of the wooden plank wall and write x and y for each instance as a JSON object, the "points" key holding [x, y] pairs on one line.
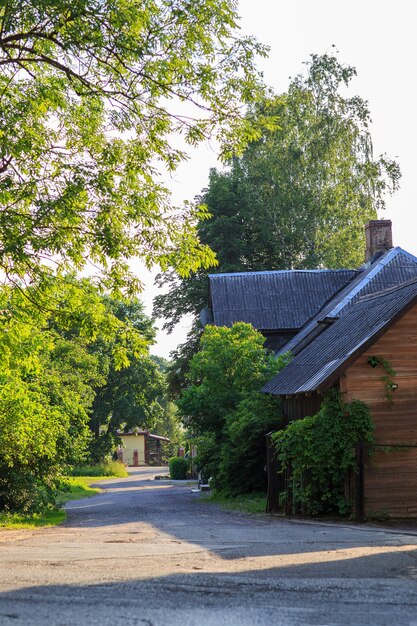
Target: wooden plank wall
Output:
{"points": [[297, 407], [391, 475], [391, 483]]}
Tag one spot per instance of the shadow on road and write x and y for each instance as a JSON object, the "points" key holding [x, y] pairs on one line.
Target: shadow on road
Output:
{"points": [[288, 595], [181, 514], [166, 558]]}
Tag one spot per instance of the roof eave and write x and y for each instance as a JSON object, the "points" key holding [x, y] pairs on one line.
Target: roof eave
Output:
{"points": [[334, 375]]}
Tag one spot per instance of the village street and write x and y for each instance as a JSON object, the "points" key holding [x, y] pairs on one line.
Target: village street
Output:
{"points": [[150, 552]]}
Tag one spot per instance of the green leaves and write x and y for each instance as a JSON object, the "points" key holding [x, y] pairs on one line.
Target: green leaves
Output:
{"points": [[222, 406], [320, 451], [63, 347], [91, 98], [230, 362], [45, 393], [312, 183]]}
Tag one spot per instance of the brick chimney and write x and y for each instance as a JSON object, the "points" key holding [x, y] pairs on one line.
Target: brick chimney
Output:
{"points": [[378, 238]]}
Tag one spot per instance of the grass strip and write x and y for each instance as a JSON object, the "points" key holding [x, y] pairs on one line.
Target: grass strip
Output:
{"points": [[247, 503], [110, 469], [78, 487]]}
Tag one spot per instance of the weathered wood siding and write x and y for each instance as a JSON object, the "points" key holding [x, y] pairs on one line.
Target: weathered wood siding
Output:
{"points": [[391, 483], [297, 407], [391, 475]]}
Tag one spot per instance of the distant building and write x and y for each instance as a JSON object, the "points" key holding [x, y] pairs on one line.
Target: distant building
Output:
{"points": [[140, 447]]}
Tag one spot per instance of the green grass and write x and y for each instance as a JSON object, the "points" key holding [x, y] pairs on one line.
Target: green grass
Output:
{"points": [[16, 521], [247, 503], [78, 488], [106, 468]]}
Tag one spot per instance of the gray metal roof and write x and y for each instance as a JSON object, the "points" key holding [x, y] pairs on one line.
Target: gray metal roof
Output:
{"points": [[146, 433], [393, 268], [284, 299], [328, 354]]}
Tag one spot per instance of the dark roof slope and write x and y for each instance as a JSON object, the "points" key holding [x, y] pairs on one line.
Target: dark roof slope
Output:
{"points": [[322, 361], [146, 433], [283, 299], [393, 268]]}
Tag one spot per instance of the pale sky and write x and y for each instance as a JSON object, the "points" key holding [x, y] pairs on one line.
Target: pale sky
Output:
{"points": [[376, 37]]}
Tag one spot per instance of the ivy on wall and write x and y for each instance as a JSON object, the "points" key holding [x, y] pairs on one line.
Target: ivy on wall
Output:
{"points": [[388, 377], [320, 451]]}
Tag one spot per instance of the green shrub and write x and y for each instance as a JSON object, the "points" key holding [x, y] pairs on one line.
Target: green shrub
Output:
{"points": [[30, 432], [241, 468], [178, 467], [22, 491], [320, 451], [106, 468], [225, 411]]}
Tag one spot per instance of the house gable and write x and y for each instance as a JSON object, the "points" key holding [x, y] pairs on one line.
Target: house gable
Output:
{"points": [[395, 267], [389, 475], [321, 363], [395, 420]]}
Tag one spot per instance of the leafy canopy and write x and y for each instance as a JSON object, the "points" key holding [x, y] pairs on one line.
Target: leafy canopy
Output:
{"points": [[65, 372], [92, 93], [47, 383], [231, 362], [297, 198], [311, 184], [223, 408]]}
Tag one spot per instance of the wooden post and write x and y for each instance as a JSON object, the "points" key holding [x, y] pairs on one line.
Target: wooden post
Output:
{"points": [[274, 479], [289, 504], [360, 483]]}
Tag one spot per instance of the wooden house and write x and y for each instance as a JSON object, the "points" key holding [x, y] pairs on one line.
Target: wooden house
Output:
{"points": [[358, 354], [366, 325], [277, 303], [367, 328]]}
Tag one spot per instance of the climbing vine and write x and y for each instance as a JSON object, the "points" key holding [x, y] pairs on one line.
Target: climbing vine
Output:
{"points": [[319, 451], [388, 377]]}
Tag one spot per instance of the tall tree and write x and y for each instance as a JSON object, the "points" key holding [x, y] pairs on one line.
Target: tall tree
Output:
{"points": [[168, 423], [47, 383], [298, 196], [91, 94], [223, 408], [306, 189], [133, 395]]}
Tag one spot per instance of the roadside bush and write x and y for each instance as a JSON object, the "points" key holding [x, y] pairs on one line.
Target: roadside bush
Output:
{"points": [[178, 467], [106, 468], [241, 468], [225, 411], [30, 433], [46, 392]]}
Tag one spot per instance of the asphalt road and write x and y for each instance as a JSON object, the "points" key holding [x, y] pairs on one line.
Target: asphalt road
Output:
{"points": [[151, 553]]}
